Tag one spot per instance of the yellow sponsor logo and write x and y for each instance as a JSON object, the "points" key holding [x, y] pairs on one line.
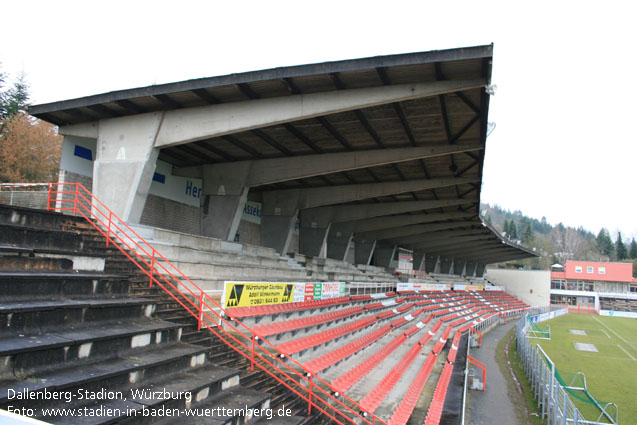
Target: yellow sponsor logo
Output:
{"points": [[246, 294]]}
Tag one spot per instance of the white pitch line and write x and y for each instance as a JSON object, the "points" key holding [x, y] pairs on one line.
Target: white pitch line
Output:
{"points": [[624, 350], [605, 333], [618, 335]]}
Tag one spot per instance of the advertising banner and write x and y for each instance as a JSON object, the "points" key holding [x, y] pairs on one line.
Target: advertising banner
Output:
{"points": [[299, 292], [494, 288], [247, 294]]}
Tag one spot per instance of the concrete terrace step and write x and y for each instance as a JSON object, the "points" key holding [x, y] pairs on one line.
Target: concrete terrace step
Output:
{"points": [[79, 334], [34, 285], [96, 374], [200, 383], [211, 411], [33, 316], [237, 271], [200, 242], [31, 352], [192, 255]]}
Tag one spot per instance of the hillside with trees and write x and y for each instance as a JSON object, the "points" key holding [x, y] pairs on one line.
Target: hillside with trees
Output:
{"points": [[558, 243]]}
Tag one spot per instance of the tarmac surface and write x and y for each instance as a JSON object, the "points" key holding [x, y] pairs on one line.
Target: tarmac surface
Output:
{"points": [[493, 406]]}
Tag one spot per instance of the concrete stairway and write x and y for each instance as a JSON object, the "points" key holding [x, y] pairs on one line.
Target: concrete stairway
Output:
{"points": [[78, 321]]}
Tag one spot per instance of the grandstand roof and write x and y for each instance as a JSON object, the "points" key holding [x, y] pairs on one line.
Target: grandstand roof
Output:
{"points": [[449, 227]]}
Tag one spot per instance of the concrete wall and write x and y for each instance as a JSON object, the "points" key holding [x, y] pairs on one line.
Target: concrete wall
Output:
{"points": [[531, 286], [249, 233], [171, 215]]}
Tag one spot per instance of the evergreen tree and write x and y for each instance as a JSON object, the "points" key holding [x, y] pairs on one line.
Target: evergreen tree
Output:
{"points": [[620, 248], [527, 235], [13, 99], [514, 230], [506, 227], [489, 218], [633, 249], [604, 242]]}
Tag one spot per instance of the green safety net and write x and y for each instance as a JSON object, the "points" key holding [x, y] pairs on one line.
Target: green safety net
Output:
{"points": [[537, 329], [576, 380]]}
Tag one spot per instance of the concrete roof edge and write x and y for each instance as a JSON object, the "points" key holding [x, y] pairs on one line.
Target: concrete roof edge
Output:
{"points": [[463, 53]]}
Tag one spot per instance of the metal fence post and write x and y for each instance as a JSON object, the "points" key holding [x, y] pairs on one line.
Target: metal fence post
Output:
{"points": [[201, 311], [309, 398], [152, 267], [252, 360], [108, 233]]}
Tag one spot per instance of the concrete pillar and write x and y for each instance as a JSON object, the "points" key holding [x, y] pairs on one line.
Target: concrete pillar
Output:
{"points": [[458, 267], [225, 196], [471, 269], [278, 221], [383, 255], [419, 260], [437, 267], [480, 268], [125, 163], [277, 231], [445, 265], [312, 241], [430, 263], [338, 245], [364, 252]]}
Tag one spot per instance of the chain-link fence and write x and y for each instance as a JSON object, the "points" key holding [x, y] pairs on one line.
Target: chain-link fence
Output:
{"points": [[552, 397]]}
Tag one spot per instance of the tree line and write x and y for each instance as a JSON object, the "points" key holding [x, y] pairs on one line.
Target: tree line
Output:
{"points": [[30, 149], [559, 243]]}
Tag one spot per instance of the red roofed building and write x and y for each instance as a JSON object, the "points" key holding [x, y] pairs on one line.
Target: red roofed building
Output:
{"points": [[607, 286]]}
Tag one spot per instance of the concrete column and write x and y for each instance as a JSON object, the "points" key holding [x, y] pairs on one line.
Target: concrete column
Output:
{"points": [[338, 245], [430, 263], [464, 269], [480, 268], [438, 265], [364, 251], [312, 241], [277, 231], [458, 267], [125, 163], [470, 269], [225, 197], [383, 255], [419, 260], [278, 221], [445, 265]]}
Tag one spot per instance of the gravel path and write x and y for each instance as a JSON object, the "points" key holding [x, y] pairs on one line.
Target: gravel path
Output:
{"points": [[493, 406]]}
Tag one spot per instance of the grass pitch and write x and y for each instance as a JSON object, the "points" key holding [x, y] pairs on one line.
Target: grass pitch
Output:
{"points": [[611, 373]]}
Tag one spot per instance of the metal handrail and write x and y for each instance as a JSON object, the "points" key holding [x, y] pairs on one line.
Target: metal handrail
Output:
{"points": [[199, 304]]}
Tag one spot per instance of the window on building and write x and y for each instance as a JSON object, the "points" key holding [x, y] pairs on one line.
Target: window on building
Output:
{"points": [[601, 270], [589, 269], [578, 269]]}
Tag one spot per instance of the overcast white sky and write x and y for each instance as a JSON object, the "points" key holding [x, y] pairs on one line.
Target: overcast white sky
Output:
{"points": [[564, 145]]}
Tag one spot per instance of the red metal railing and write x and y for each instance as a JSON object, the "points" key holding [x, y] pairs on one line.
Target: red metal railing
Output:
{"points": [[76, 199], [484, 371]]}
